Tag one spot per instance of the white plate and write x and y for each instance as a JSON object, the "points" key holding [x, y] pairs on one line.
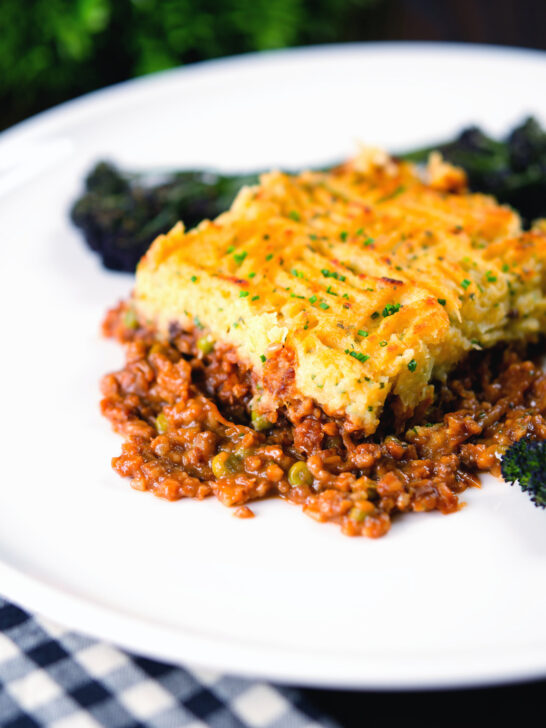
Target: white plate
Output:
{"points": [[442, 600]]}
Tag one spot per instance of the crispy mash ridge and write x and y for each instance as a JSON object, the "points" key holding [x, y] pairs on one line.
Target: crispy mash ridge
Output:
{"points": [[339, 289]]}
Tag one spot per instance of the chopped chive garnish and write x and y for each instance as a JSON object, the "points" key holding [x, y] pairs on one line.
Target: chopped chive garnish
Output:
{"points": [[361, 332], [193, 279], [243, 294], [333, 274], [343, 235], [490, 277], [251, 275], [294, 215], [357, 355], [332, 293], [383, 343], [442, 301], [375, 314], [254, 298], [412, 365], [397, 191], [465, 283], [239, 257], [390, 309], [230, 249], [368, 242], [505, 268], [360, 231], [313, 299], [262, 357], [324, 306]]}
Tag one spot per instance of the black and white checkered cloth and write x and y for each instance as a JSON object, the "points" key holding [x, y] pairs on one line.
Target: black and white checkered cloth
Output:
{"points": [[50, 676]]}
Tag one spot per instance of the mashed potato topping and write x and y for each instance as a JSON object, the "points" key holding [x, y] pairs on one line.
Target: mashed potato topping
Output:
{"points": [[341, 289]]}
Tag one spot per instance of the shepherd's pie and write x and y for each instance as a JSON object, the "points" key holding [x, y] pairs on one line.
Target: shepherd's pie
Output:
{"points": [[349, 289]]}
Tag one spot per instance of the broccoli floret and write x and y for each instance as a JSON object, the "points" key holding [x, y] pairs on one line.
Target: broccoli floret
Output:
{"points": [[525, 462], [121, 213]]}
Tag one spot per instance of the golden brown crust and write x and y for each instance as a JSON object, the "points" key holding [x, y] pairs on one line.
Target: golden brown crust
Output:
{"points": [[373, 280]]}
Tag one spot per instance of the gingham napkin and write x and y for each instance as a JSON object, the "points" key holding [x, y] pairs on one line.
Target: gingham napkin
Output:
{"points": [[52, 677]]}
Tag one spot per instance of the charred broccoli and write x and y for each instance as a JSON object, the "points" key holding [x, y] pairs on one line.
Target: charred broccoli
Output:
{"points": [[525, 462], [120, 214]]}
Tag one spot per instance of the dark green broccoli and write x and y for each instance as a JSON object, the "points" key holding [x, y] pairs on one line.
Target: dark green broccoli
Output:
{"points": [[525, 462], [120, 213]]}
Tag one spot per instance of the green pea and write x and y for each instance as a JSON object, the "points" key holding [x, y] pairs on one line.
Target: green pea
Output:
{"points": [[260, 422], [225, 464], [156, 348], [359, 514], [244, 452], [205, 345], [130, 319], [299, 474], [161, 423]]}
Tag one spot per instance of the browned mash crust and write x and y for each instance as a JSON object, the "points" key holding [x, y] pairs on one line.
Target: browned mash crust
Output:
{"points": [[350, 288]]}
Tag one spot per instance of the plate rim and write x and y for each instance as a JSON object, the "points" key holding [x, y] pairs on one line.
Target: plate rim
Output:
{"points": [[208, 653], [79, 103]]}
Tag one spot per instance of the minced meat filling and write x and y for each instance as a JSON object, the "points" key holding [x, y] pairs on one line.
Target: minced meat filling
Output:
{"points": [[182, 408]]}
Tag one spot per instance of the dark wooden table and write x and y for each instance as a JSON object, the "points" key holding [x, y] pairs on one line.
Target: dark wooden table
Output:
{"points": [[503, 22], [517, 706]]}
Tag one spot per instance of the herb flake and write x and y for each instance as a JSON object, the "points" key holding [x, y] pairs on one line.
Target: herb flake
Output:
{"points": [[357, 355]]}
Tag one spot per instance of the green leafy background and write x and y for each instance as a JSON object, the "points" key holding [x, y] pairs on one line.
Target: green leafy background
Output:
{"points": [[52, 50]]}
